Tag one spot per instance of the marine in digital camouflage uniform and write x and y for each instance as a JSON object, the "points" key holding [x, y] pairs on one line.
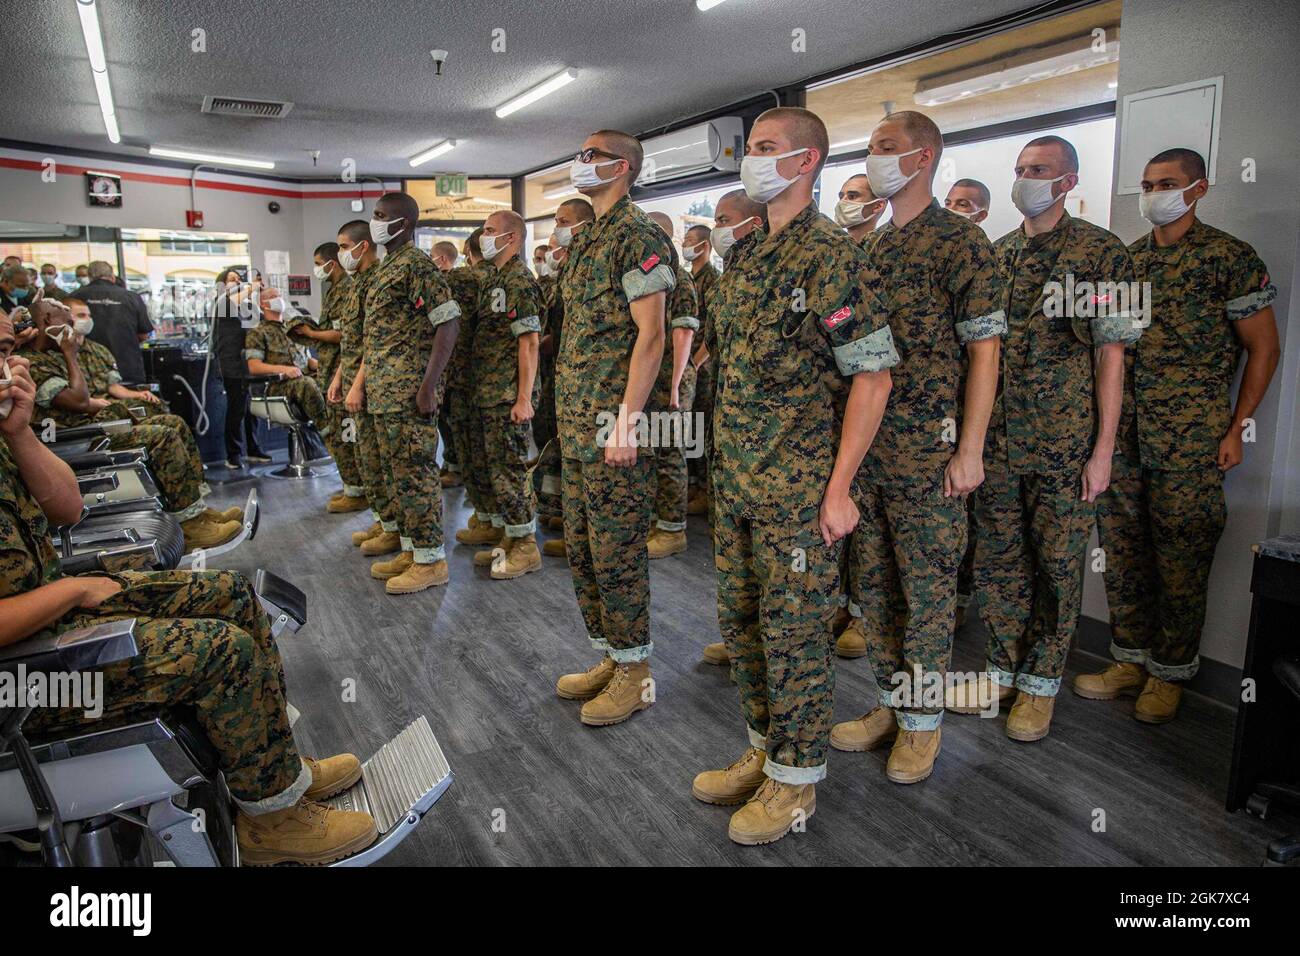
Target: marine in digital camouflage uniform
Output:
{"points": [[1162, 516], [406, 300], [618, 258], [546, 435], [270, 343], [796, 315], [938, 279], [1033, 524], [174, 459], [204, 642], [340, 440], [461, 394], [100, 368], [671, 475], [508, 308], [705, 377]]}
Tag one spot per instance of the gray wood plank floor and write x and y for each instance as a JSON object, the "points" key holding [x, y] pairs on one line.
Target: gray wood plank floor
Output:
{"points": [[534, 786]]}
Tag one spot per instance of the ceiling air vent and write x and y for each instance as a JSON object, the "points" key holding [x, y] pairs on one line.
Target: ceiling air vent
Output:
{"points": [[256, 109]]}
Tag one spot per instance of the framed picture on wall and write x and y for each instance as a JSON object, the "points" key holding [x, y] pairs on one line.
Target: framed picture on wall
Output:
{"points": [[103, 190]]}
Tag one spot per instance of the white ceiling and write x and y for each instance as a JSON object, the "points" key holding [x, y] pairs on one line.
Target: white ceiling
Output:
{"points": [[363, 85]]}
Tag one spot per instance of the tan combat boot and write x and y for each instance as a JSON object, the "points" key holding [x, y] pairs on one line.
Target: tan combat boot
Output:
{"points": [[479, 532], [1117, 680], [361, 537], [200, 532], [450, 479], [418, 577], [734, 784], [842, 620], [555, 548], [331, 776], [386, 542], [716, 653], [623, 696], [229, 514], [383, 570], [975, 696], [1158, 702], [521, 558], [554, 523], [771, 812], [912, 759], [876, 727], [307, 833], [484, 559], [1031, 717], [662, 543], [697, 503], [852, 641], [346, 504], [588, 683]]}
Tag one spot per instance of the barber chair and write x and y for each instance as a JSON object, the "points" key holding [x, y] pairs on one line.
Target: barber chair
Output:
{"points": [[279, 410], [151, 792]]}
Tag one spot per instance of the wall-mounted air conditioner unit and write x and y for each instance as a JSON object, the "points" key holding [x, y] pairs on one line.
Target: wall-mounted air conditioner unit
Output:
{"points": [[717, 145]]}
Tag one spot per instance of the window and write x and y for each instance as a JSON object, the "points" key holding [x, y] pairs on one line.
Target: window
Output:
{"points": [[485, 196], [690, 209], [545, 189]]}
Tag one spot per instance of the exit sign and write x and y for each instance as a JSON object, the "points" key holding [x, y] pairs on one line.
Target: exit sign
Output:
{"points": [[453, 185]]}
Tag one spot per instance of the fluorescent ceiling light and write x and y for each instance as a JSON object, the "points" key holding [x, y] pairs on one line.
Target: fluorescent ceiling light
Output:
{"points": [[703, 5], [446, 146], [537, 92], [559, 192], [210, 158], [1021, 69], [89, 15]]}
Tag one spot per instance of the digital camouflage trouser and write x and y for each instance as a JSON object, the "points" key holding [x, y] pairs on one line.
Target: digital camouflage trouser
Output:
{"points": [[344, 442], [451, 453], [1159, 530], [467, 424], [174, 461], [606, 524], [778, 590], [705, 392], [907, 548], [546, 476], [307, 397], [671, 478], [505, 447], [408, 454], [205, 642], [374, 480], [1033, 539]]}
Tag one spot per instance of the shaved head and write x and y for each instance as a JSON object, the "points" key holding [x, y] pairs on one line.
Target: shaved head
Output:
{"points": [[739, 206], [802, 127], [622, 145], [663, 221], [393, 206], [579, 210], [919, 131]]}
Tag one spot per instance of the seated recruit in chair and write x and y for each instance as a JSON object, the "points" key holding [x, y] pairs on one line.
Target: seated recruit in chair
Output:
{"points": [[103, 379], [204, 643], [269, 351], [63, 396]]}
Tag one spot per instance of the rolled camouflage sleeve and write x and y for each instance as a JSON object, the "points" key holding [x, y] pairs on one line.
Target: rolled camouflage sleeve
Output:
{"points": [[1123, 311], [250, 354], [444, 312], [858, 330], [1249, 288], [48, 389], [645, 265], [114, 376], [973, 282]]}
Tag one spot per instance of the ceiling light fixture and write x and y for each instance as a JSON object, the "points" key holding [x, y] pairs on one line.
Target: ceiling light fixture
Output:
{"points": [[89, 15], [446, 146], [537, 92], [559, 192], [210, 158], [703, 5]]}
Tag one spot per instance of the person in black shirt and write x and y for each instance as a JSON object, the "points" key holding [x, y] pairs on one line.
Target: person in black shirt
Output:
{"points": [[236, 298], [121, 320]]}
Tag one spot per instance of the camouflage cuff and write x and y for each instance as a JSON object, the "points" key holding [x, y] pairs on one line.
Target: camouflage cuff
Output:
{"points": [[49, 388], [278, 801], [114, 377], [999, 676], [529, 323], [444, 313], [670, 526], [1243, 307], [250, 354], [520, 530], [192, 510], [630, 655], [871, 353], [756, 740], [1109, 329], [1173, 672], [389, 527], [685, 322], [638, 284], [796, 776], [428, 555], [982, 327], [1038, 686], [914, 720]]}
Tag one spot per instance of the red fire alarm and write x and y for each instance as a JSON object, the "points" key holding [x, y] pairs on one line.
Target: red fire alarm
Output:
{"points": [[194, 218]]}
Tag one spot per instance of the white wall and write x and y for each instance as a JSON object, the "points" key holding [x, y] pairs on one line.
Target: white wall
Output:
{"points": [[1252, 46]]}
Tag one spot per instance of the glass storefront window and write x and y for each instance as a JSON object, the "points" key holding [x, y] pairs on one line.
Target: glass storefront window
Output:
{"points": [[545, 189], [65, 247], [484, 197], [175, 272], [689, 209], [1060, 63]]}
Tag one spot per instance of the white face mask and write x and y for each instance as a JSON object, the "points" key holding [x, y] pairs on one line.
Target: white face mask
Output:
{"points": [[320, 272], [759, 176], [381, 231], [564, 234], [967, 215], [885, 173], [1033, 197], [691, 253], [349, 260], [58, 333], [83, 326], [855, 213], [1162, 208], [488, 245], [724, 237], [552, 262], [275, 305], [48, 279], [584, 176]]}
